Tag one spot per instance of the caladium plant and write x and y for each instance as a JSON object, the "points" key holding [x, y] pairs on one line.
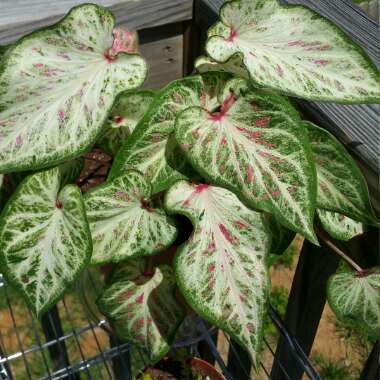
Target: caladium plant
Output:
{"points": [[58, 85], [221, 148]]}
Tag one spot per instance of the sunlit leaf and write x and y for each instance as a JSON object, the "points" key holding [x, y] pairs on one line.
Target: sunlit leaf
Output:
{"points": [[255, 146], [341, 185], [339, 226], [221, 270], [128, 110], [294, 50], [45, 241], [142, 307], [147, 148], [124, 223], [57, 86], [355, 298]]}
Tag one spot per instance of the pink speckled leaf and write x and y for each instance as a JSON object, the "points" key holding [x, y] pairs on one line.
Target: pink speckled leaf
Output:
{"points": [[341, 185], [255, 146], [142, 307], [294, 50], [148, 147], [57, 87], [339, 226], [123, 222], [221, 270], [45, 242], [127, 111]]}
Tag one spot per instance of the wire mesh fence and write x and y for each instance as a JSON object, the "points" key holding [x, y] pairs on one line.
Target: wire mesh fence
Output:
{"points": [[74, 342]]}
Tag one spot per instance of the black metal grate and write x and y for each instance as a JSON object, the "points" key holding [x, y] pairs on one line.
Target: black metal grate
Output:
{"points": [[60, 345]]}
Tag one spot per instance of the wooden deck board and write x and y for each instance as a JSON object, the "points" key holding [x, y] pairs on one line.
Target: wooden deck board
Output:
{"points": [[19, 17]]}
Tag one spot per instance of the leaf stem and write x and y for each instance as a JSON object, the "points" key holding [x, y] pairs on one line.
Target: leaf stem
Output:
{"points": [[339, 252]]}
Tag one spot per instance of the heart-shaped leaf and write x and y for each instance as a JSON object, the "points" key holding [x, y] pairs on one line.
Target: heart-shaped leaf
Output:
{"points": [[339, 226], [234, 65], [355, 298], [128, 110], [123, 223], [57, 86], [341, 185], [221, 270], [256, 147], [142, 307], [146, 149], [294, 50], [45, 241]]}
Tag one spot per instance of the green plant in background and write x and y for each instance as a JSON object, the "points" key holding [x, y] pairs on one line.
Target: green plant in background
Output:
{"points": [[224, 148], [279, 299], [332, 370]]}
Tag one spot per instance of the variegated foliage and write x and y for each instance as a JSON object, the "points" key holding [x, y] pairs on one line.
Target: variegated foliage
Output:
{"points": [[147, 149], [142, 307], [58, 85], [128, 110], [339, 226], [294, 50], [256, 147], [221, 270], [341, 185], [234, 66], [355, 298], [45, 241], [123, 222]]}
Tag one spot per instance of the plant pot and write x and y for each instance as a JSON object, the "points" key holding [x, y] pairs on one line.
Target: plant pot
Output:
{"points": [[203, 368], [168, 369]]}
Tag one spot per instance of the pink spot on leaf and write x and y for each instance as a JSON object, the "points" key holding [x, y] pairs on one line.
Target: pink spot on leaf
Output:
{"points": [[118, 119], [232, 36], [199, 188], [18, 140], [321, 62], [250, 176], [61, 115], [226, 233], [225, 107], [262, 122], [280, 71], [241, 224], [140, 299]]}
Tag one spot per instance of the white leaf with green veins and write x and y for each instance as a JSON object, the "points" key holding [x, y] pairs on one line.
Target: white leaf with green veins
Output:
{"points": [[128, 110], [146, 149], [355, 298], [57, 86], [123, 223], [294, 50], [234, 66], [221, 270], [45, 241], [256, 147], [341, 185], [339, 226], [142, 307]]}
